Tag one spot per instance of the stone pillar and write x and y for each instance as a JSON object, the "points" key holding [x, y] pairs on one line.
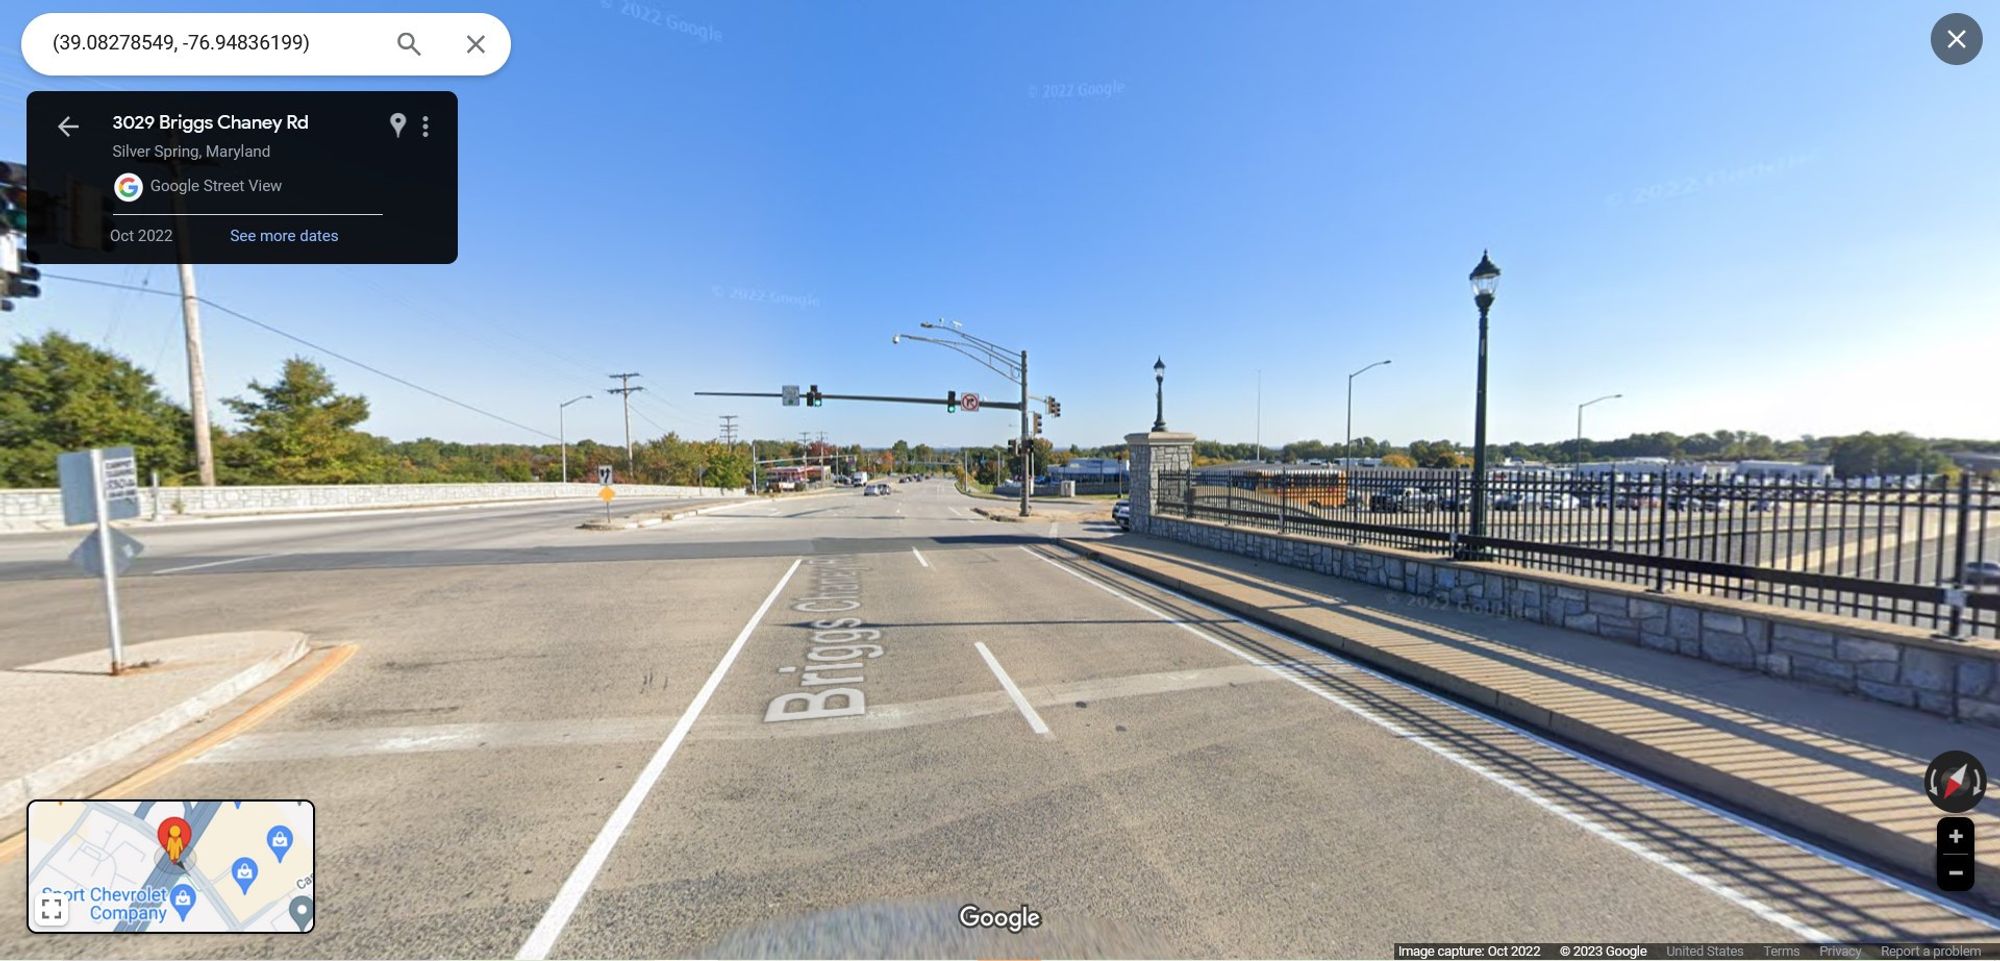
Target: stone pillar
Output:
{"points": [[1155, 453]]}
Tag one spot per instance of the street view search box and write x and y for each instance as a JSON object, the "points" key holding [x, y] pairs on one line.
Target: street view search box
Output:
{"points": [[133, 44], [242, 177]]}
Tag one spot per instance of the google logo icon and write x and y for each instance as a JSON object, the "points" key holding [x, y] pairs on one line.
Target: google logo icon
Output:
{"points": [[128, 187]]}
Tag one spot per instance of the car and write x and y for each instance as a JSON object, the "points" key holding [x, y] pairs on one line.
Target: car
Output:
{"points": [[874, 490], [1122, 513], [1980, 574], [1560, 502], [882, 488], [1507, 502]]}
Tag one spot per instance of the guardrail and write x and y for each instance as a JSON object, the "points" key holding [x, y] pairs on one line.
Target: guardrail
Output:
{"points": [[1925, 554]]}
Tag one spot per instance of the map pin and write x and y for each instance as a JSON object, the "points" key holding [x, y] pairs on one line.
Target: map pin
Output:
{"points": [[280, 840], [244, 871], [183, 898], [175, 835], [302, 912], [397, 120]]}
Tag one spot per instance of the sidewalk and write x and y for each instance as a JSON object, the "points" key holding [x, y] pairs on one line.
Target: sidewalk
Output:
{"points": [[70, 721], [1842, 769]]}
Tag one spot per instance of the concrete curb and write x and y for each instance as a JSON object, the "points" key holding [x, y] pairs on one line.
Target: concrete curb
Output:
{"points": [[1901, 851], [51, 778], [656, 518]]}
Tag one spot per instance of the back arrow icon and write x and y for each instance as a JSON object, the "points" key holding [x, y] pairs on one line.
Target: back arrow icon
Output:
{"points": [[66, 126]]}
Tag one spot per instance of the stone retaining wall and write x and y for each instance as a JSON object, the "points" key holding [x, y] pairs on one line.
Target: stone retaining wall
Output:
{"points": [[42, 507], [1900, 665]]}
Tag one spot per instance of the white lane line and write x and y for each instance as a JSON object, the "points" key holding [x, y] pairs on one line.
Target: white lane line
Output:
{"points": [[1027, 710], [1052, 528], [954, 510], [543, 938], [920, 557], [233, 560], [1800, 929], [1142, 605]]}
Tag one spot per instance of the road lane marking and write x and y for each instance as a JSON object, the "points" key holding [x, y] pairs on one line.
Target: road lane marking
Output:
{"points": [[1802, 930], [1052, 528], [954, 510], [920, 557], [1142, 605], [233, 560], [543, 938], [1027, 710]]}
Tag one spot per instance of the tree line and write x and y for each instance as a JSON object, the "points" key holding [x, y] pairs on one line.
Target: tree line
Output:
{"points": [[59, 394]]}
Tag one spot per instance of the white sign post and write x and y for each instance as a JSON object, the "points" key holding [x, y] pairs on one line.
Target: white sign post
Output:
{"points": [[102, 485]]}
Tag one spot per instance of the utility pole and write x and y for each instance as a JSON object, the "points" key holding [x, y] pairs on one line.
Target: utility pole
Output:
{"points": [[204, 451], [625, 389]]}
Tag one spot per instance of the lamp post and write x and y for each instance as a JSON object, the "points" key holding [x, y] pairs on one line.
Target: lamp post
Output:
{"points": [[1347, 449], [1001, 361], [562, 438], [1159, 395], [1577, 459], [1485, 279]]}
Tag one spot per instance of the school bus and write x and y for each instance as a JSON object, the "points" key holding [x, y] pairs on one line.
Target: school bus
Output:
{"points": [[1244, 486]]}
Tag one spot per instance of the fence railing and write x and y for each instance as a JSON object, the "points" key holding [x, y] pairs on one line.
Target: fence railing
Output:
{"points": [[1923, 553]]}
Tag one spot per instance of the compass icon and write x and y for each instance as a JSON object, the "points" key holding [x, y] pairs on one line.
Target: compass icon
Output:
{"points": [[1955, 782]]}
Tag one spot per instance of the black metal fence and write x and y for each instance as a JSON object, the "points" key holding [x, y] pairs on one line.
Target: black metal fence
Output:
{"points": [[1925, 552]]}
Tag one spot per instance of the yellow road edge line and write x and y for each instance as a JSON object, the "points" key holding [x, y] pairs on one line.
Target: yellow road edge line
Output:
{"points": [[335, 656]]}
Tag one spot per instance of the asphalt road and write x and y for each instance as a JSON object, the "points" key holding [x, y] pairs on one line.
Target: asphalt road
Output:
{"points": [[563, 743]]}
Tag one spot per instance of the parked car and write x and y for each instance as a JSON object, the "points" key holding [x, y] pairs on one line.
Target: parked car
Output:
{"points": [[1122, 513], [873, 490], [1507, 502], [1980, 574], [1560, 502]]}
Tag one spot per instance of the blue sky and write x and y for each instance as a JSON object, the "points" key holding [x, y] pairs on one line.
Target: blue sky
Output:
{"points": [[1777, 217]]}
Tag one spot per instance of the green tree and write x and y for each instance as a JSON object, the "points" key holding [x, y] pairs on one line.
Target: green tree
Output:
{"points": [[1868, 454], [300, 431], [58, 394]]}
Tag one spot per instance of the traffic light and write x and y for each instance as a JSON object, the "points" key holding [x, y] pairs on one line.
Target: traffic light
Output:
{"points": [[1055, 407], [1038, 425], [951, 402], [19, 283], [813, 398]]}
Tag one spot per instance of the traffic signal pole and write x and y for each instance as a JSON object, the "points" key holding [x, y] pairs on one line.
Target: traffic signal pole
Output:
{"points": [[1027, 442]]}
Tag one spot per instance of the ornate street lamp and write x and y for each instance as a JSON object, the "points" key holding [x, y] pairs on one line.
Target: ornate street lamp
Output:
{"points": [[1485, 279], [1159, 395]]}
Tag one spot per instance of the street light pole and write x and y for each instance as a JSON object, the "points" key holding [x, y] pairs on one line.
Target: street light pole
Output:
{"points": [[562, 436], [1347, 448], [1000, 361], [1159, 395], [1485, 279], [1576, 460]]}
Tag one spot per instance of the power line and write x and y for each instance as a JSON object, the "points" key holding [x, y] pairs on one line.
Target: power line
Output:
{"points": [[246, 318]]}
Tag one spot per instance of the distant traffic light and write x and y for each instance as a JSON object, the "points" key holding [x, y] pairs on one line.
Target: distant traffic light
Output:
{"points": [[19, 283], [951, 402], [1038, 425], [1055, 407], [813, 398]]}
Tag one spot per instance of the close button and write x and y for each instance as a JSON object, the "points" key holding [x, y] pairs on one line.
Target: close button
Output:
{"points": [[1956, 39]]}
